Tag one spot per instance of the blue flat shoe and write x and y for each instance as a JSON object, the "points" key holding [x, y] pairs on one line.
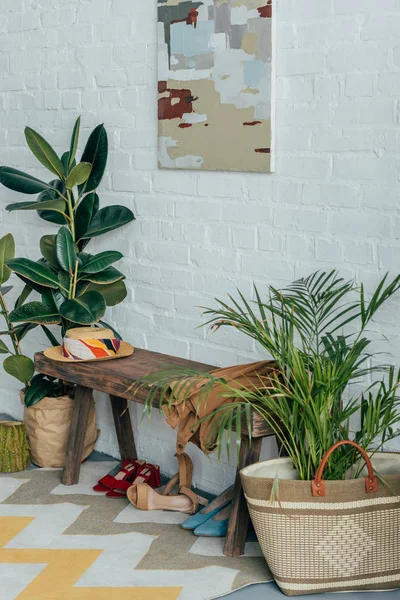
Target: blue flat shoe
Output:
{"points": [[217, 526], [209, 511]]}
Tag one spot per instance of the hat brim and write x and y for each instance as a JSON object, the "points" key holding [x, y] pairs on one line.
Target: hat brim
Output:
{"points": [[55, 353]]}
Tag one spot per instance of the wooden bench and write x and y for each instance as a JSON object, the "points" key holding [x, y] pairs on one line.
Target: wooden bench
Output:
{"points": [[116, 378]]}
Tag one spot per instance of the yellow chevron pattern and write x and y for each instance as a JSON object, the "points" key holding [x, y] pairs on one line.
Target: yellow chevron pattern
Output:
{"points": [[63, 570]]}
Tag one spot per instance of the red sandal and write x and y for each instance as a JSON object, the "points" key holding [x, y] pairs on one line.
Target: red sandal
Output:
{"points": [[127, 472], [146, 473]]}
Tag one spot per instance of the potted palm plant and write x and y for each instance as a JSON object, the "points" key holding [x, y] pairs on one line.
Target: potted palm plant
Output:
{"points": [[327, 391], [74, 287]]}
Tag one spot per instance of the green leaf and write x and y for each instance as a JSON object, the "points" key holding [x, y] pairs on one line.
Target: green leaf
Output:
{"points": [[21, 182], [84, 214], [64, 280], [3, 348], [24, 295], [78, 175], [39, 389], [53, 340], [44, 152], [74, 142], [36, 272], [19, 366], [49, 300], [58, 206], [52, 193], [101, 261], [22, 330], [48, 249], [86, 310], [64, 162], [7, 252], [95, 153], [113, 293], [110, 275], [107, 219], [35, 312], [65, 249], [107, 326]]}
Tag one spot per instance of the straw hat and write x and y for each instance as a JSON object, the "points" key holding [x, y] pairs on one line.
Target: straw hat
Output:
{"points": [[86, 344]]}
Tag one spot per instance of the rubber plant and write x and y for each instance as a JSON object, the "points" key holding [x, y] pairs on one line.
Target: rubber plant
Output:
{"points": [[316, 331], [75, 287]]}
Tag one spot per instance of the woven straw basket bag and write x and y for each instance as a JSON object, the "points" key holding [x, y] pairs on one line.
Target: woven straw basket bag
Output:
{"points": [[328, 536]]}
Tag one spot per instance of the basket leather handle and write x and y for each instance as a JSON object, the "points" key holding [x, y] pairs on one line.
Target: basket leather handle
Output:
{"points": [[318, 484]]}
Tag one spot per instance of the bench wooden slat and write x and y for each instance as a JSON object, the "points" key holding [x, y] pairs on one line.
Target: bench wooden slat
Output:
{"points": [[117, 377]]}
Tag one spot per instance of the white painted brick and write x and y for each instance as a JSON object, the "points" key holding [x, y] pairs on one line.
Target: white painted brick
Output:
{"points": [[302, 10], [211, 185], [327, 88], [299, 247], [303, 167], [197, 209], [328, 32], [295, 62], [389, 82], [261, 264], [332, 195], [219, 234], [381, 197], [359, 85], [368, 168], [300, 219], [328, 250], [365, 111], [167, 181], [359, 225], [212, 259], [381, 28], [240, 213], [359, 253], [306, 114], [244, 237], [367, 59]]}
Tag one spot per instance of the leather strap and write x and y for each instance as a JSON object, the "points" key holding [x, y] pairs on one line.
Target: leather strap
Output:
{"points": [[141, 496], [196, 500], [318, 485]]}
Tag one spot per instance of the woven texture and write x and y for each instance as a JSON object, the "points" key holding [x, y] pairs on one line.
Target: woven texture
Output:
{"points": [[346, 541]]}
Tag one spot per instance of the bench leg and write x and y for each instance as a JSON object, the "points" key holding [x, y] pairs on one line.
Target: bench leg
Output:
{"points": [[123, 427], [239, 519], [76, 438]]}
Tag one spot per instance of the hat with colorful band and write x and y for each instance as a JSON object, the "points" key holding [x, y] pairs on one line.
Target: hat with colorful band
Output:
{"points": [[84, 344]]}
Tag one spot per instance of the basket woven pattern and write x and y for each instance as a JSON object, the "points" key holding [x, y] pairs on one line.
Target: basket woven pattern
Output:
{"points": [[327, 544]]}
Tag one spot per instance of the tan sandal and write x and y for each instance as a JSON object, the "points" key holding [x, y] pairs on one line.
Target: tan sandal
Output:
{"points": [[143, 497]]}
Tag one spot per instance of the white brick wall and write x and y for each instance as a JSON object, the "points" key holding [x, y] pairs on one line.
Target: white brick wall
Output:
{"points": [[332, 201]]}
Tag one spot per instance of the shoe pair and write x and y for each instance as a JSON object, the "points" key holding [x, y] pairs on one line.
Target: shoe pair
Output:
{"points": [[132, 471], [212, 521]]}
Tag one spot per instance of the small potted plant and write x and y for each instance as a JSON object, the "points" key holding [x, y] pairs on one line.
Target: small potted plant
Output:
{"points": [[74, 287]]}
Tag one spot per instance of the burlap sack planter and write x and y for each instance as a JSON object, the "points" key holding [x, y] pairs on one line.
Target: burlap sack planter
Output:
{"points": [[347, 540], [47, 426]]}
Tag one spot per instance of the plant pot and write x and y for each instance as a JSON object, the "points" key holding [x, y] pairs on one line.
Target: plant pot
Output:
{"points": [[47, 426], [344, 540], [14, 449]]}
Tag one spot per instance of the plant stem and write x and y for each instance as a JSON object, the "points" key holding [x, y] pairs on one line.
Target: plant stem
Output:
{"points": [[75, 280], [11, 332], [71, 214]]}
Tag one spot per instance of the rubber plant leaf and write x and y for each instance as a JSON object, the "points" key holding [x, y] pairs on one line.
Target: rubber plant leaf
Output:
{"points": [[110, 275], [52, 339], [53, 194], [65, 248], [74, 143], [22, 330], [19, 366], [48, 249], [95, 153], [7, 252], [86, 310], [101, 261], [78, 175], [113, 293], [3, 348], [44, 152], [39, 389], [21, 182], [87, 208], [35, 312], [24, 295], [58, 206], [107, 219], [34, 271]]}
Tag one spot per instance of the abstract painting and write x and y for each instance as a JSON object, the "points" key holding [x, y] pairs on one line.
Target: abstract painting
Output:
{"points": [[216, 75]]}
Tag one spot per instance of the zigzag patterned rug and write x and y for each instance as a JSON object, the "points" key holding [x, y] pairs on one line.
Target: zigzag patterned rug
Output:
{"points": [[69, 543]]}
